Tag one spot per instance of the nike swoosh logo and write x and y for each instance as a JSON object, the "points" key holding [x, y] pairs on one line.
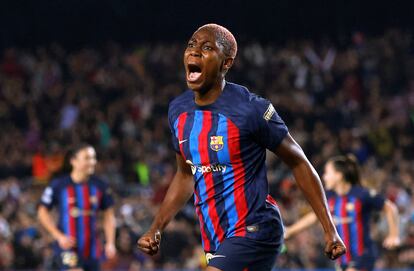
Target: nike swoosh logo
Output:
{"points": [[182, 141], [217, 256], [210, 256]]}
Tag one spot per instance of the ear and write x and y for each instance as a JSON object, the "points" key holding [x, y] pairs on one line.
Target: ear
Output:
{"points": [[227, 64]]}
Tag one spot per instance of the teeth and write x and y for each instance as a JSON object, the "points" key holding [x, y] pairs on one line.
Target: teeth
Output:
{"points": [[194, 76]]}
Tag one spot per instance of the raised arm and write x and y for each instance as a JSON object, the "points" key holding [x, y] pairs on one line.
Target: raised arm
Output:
{"points": [[302, 224], [179, 192], [391, 214], [308, 181]]}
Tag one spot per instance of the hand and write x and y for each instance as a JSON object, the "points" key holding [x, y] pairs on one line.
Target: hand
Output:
{"points": [[334, 246], [391, 242], [66, 242], [110, 250], [150, 242], [288, 233]]}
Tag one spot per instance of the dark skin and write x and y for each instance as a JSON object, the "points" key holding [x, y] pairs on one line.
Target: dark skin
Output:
{"points": [[207, 54]]}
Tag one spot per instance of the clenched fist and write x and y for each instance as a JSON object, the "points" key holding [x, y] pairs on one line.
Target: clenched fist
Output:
{"points": [[150, 242], [334, 247]]}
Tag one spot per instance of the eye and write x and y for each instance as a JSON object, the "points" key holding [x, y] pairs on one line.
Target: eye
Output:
{"points": [[190, 45], [207, 48]]}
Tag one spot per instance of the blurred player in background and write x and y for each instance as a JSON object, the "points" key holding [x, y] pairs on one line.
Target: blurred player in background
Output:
{"points": [[79, 197], [220, 134], [352, 206]]}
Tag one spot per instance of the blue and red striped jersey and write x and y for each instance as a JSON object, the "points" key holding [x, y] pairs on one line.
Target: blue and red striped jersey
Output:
{"points": [[225, 145], [352, 213], [78, 205]]}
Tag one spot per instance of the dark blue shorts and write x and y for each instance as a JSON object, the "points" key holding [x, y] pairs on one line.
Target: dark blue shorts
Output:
{"points": [[65, 260], [244, 254], [363, 263]]}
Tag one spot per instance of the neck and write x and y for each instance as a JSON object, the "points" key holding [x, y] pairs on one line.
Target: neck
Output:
{"points": [[211, 95], [343, 188], [79, 177]]}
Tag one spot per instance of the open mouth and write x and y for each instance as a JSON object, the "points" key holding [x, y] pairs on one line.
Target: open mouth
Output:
{"points": [[194, 72]]}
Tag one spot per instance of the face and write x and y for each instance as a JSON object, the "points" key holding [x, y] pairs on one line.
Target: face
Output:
{"points": [[204, 61], [84, 161], [331, 176]]}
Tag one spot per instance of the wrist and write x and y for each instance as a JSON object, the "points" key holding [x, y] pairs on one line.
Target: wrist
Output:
{"points": [[58, 235]]}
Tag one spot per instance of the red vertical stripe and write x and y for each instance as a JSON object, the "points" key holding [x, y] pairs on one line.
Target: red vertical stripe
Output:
{"points": [[98, 242], [181, 124], [86, 220], [233, 136], [331, 203], [71, 208], [208, 176], [345, 227], [206, 241], [360, 228]]}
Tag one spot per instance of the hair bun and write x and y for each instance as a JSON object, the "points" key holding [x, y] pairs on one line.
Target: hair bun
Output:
{"points": [[351, 158]]}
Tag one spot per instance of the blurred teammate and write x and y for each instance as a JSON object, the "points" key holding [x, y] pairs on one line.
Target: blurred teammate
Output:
{"points": [[78, 198], [220, 134], [352, 207]]}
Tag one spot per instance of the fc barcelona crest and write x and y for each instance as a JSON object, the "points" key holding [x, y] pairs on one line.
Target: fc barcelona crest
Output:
{"points": [[216, 143]]}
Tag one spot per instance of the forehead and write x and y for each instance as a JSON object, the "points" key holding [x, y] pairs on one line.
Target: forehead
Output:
{"points": [[204, 35], [86, 151]]}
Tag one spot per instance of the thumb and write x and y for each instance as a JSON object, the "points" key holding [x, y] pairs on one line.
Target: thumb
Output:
{"points": [[157, 236]]}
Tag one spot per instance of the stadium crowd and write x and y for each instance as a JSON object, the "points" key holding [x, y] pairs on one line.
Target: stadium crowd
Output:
{"points": [[354, 95]]}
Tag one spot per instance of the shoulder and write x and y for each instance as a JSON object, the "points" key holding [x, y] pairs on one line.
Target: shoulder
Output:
{"points": [[180, 103], [98, 182], [248, 101], [330, 194], [360, 191], [60, 181]]}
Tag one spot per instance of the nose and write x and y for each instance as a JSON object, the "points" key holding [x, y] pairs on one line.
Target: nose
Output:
{"points": [[195, 52]]}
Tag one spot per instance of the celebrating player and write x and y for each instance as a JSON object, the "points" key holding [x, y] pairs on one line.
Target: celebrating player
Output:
{"points": [[78, 197], [352, 206], [220, 133]]}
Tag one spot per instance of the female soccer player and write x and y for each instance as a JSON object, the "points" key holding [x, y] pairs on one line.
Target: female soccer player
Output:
{"points": [[220, 132], [79, 197], [352, 206]]}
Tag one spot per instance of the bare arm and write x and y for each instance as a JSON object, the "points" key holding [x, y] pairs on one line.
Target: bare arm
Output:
{"points": [[393, 218], [180, 191], [308, 181], [48, 223], [302, 224], [109, 227]]}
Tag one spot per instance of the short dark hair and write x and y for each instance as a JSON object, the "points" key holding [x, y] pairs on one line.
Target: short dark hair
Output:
{"points": [[348, 166], [223, 37], [74, 149]]}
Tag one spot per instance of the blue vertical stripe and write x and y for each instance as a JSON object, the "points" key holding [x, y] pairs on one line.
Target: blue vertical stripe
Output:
{"points": [[200, 182], [65, 211], [176, 127], [353, 228], [94, 207], [80, 223], [338, 203], [228, 190]]}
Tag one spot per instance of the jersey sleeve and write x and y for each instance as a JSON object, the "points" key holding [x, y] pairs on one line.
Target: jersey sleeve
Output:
{"points": [[49, 197], [107, 200], [375, 201], [267, 126], [173, 126]]}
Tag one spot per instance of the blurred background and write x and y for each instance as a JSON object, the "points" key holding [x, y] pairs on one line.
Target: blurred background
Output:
{"points": [[340, 73]]}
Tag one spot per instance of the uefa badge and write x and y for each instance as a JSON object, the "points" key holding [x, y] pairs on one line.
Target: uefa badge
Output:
{"points": [[216, 143]]}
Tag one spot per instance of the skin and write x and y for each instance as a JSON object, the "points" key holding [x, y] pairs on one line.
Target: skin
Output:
{"points": [[206, 53], [334, 180], [83, 166]]}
